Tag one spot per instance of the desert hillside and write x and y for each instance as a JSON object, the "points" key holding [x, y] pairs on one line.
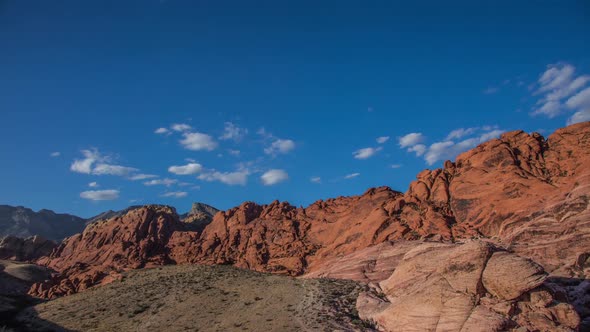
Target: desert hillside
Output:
{"points": [[202, 298]]}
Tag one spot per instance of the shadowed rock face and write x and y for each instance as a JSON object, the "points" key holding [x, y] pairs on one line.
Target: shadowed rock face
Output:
{"points": [[29, 249], [522, 192], [199, 216], [22, 222]]}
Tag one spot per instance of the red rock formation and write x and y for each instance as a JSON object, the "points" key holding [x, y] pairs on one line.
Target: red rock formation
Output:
{"points": [[137, 239], [521, 191]]}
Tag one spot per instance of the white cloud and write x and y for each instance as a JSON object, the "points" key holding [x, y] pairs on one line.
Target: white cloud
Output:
{"points": [[198, 141], [491, 90], [233, 132], [55, 154], [100, 195], [382, 139], [447, 150], [580, 100], [316, 179], [411, 140], [142, 176], [264, 133], [280, 146], [95, 163], [106, 169], [229, 178], [419, 149], [550, 109], [365, 153], [181, 127], [188, 169], [175, 194], [580, 116], [490, 135], [161, 131], [395, 166], [274, 176], [556, 77], [557, 83], [93, 184], [161, 182], [441, 150], [84, 166], [353, 175], [234, 152], [461, 132]]}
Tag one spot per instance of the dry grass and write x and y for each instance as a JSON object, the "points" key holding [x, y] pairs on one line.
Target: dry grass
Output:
{"points": [[204, 298]]}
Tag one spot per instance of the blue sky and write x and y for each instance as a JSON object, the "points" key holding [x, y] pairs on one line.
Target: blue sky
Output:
{"points": [[288, 100]]}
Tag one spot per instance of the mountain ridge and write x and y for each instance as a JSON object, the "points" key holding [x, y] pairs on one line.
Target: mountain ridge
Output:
{"points": [[497, 190]]}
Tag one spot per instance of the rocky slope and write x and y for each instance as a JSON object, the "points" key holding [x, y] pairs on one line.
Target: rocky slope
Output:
{"points": [[15, 280], [526, 194], [135, 240], [29, 249], [23, 222]]}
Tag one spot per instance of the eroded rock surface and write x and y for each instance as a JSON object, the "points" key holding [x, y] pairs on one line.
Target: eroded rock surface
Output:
{"points": [[468, 287], [137, 239], [522, 192]]}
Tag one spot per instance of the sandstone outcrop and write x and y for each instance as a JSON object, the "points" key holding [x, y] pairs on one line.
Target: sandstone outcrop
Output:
{"points": [[137, 239], [468, 287], [522, 193]]}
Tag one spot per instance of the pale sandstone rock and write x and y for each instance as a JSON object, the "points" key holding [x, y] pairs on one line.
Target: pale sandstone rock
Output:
{"points": [[440, 287]]}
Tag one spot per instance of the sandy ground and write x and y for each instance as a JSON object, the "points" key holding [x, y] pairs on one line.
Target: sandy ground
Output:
{"points": [[203, 298]]}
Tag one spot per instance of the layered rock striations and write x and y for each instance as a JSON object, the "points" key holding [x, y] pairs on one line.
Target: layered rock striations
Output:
{"points": [[469, 287]]}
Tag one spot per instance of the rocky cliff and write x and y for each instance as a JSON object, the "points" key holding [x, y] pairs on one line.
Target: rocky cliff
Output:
{"points": [[526, 194], [137, 239]]}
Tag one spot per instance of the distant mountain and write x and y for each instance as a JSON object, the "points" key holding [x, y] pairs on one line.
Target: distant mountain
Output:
{"points": [[199, 216], [111, 214], [29, 249], [24, 222]]}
